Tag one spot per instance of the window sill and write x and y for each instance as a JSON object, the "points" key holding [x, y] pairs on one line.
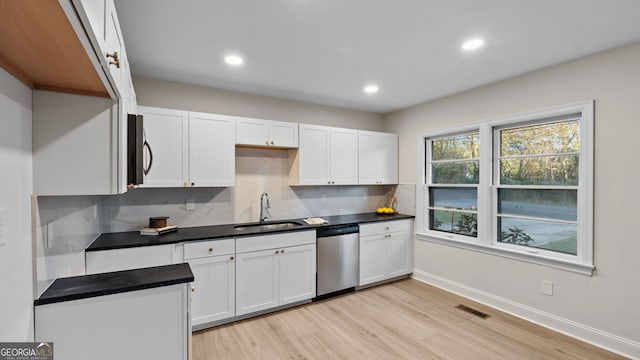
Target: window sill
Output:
{"points": [[579, 268]]}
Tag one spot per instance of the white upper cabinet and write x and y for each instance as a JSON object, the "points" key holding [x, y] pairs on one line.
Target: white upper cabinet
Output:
{"points": [[96, 16], [268, 133], [283, 134], [313, 155], [188, 148], [103, 28], [211, 150], [377, 158], [165, 132], [326, 156], [343, 156]]}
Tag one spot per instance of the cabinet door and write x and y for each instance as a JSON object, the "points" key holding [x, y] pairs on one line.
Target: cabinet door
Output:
{"points": [[166, 132], [252, 131], [368, 158], [296, 273], [398, 251], [211, 150], [95, 11], [343, 159], [388, 144], [114, 47], [313, 153], [283, 134], [213, 289], [256, 281], [373, 258]]}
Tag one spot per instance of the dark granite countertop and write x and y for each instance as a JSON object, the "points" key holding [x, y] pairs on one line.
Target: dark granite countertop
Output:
{"points": [[110, 241], [88, 286]]}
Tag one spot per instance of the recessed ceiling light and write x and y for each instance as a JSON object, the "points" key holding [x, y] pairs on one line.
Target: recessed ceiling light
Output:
{"points": [[234, 60], [371, 89], [473, 44]]}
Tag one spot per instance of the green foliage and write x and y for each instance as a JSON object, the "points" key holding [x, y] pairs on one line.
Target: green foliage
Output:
{"points": [[557, 142], [460, 147], [467, 225], [516, 236]]}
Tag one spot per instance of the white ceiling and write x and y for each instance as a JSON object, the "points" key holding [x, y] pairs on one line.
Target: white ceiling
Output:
{"points": [[325, 51]]}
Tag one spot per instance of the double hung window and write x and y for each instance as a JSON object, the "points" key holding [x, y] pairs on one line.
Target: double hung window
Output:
{"points": [[525, 191], [537, 172], [453, 174]]}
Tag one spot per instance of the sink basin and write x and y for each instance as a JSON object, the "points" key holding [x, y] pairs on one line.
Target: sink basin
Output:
{"points": [[268, 226]]}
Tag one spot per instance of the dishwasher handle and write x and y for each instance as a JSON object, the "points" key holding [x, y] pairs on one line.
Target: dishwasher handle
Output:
{"points": [[338, 230]]}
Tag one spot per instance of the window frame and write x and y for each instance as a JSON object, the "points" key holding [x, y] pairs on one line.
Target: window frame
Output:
{"points": [[428, 144], [487, 241]]}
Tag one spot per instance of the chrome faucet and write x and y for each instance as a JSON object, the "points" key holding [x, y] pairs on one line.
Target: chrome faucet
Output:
{"points": [[263, 208]]}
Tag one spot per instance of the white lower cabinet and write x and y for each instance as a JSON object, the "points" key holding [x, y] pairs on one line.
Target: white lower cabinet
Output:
{"points": [[373, 254], [275, 270], [257, 280], [385, 250], [296, 274], [213, 289]]}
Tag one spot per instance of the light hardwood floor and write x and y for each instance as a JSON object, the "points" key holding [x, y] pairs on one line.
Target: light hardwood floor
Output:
{"points": [[403, 320]]}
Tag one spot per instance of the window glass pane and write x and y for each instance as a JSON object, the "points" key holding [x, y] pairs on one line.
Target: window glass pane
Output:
{"points": [[538, 234], [454, 222], [455, 173], [456, 147], [550, 204], [553, 138], [460, 198], [548, 170]]}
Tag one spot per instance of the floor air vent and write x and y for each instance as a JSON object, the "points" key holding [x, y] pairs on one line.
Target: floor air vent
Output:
{"points": [[475, 312]]}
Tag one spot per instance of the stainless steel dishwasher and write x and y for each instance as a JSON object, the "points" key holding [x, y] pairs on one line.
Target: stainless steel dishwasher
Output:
{"points": [[337, 259]]}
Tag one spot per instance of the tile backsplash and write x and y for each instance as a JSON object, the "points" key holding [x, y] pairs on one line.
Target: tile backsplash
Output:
{"points": [[65, 225]]}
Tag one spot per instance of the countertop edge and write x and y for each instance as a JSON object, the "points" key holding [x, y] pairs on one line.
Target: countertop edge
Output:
{"points": [[226, 231], [127, 281]]}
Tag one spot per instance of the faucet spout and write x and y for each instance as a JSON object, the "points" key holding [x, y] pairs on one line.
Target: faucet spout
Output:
{"points": [[263, 207]]}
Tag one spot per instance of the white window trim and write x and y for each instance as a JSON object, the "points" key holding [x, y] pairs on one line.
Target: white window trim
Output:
{"points": [[486, 240]]}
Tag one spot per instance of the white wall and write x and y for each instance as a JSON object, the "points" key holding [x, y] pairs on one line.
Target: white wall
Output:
{"points": [[602, 308], [16, 307], [151, 92]]}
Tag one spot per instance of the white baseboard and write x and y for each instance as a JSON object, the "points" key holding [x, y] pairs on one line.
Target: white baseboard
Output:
{"points": [[603, 339]]}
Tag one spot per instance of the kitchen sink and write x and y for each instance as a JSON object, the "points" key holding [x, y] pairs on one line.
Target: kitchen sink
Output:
{"points": [[268, 226]]}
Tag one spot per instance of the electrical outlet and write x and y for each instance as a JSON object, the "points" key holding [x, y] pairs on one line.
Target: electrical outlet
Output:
{"points": [[324, 198], [190, 205], [547, 287]]}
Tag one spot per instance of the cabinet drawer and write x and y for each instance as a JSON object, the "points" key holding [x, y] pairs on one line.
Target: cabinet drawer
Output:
{"points": [[384, 227], [273, 241], [200, 249]]}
